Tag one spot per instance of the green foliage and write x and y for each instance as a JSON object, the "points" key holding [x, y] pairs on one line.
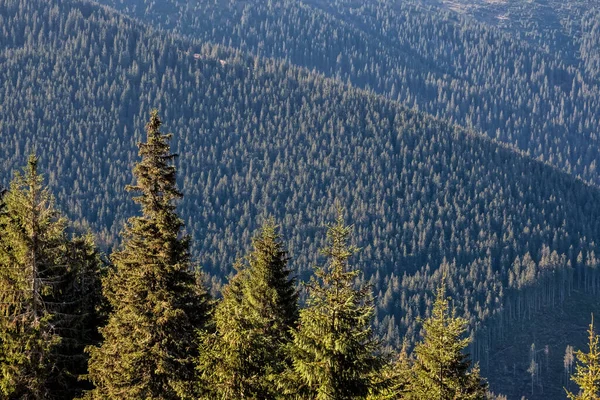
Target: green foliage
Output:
{"points": [[32, 247], [269, 288], [48, 295], [587, 372], [333, 350], [441, 368], [150, 340], [242, 358]]}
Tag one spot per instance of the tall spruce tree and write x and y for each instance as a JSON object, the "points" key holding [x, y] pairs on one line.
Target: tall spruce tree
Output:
{"points": [[333, 351], [253, 320], [150, 340], [441, 369], [587, 372], [44, 324]]}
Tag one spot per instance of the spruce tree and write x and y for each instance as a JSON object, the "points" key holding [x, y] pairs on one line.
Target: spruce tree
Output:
{"points": [[333, 351], [270, 291], [221, 355], [587, 372], [31, 248], [441, 369], [253, 321], [44, 324], [150, 340]]}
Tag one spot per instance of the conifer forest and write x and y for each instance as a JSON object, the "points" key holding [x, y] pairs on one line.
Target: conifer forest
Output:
{"points": [[299, 199]]}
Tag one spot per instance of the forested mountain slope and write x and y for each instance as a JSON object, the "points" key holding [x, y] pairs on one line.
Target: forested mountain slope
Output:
{"points": [[427, 58], [543, 338], [258, 137], [590, 42], [554, 26]]}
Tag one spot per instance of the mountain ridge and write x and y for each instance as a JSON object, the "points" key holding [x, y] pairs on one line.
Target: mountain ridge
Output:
{"points": [[474, 75]]}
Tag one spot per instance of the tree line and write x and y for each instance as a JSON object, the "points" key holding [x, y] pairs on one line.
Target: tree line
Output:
{"points": [[142, 324]]}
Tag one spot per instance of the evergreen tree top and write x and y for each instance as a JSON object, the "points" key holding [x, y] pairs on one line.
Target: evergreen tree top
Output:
{"points": [[337, 273], [441, 368], [334, 352], [32, 208], [587, 374], [155, 174], [154, 238], [444, 328], [253, 322], [270, 289]]}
